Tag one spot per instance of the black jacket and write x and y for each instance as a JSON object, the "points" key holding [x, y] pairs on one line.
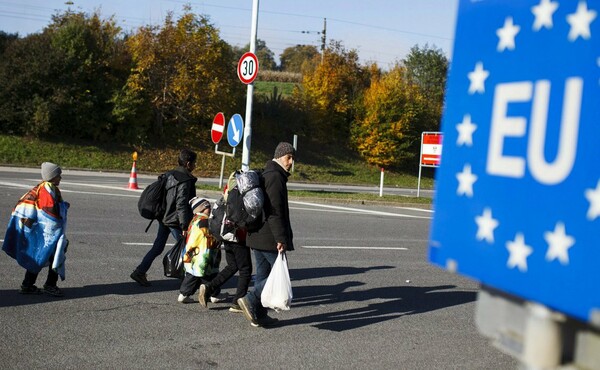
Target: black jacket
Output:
{"points": [[277, 227], [181, 187]]}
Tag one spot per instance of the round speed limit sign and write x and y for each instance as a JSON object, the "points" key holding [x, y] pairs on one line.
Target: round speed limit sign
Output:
{"points": [[247, 68]]}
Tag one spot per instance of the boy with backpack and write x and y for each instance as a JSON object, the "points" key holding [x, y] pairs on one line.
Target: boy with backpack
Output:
{"points": [[180, 188], [202, 254]]}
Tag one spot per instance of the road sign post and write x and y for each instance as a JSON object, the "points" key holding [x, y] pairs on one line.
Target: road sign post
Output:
{"points": [[517, 203], [430, 154]]}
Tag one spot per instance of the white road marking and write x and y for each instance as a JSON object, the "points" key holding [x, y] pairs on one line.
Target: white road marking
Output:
{"points": [[349, 247], [359, 210]]}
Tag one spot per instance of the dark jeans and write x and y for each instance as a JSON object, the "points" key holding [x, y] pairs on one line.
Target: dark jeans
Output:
{"points": [[31, 277], [238, 259], [191, 283], [264, 262], [159, 246]]}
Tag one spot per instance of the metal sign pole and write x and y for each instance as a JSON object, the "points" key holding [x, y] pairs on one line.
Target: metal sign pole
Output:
{"points": [[232, 154], [248, 118]]}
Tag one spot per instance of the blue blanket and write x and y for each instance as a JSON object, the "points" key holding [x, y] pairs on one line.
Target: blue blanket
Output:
{"points": [[33, 236]]}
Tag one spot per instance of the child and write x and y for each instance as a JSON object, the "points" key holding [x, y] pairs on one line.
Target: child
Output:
{"points": [[202, 255], [35, 236]]}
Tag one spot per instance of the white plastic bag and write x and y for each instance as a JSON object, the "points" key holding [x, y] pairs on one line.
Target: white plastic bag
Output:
{"points": [[277, 292]]}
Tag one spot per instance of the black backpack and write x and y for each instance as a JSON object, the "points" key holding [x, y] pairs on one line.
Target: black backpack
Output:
{"points": [[240, 206], [152, 202]]}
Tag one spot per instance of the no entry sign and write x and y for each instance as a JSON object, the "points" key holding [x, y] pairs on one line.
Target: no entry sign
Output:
{"points": [[216, 133]]}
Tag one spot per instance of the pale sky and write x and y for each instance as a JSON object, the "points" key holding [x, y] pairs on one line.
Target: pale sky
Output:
{"points": [[381, 30]]}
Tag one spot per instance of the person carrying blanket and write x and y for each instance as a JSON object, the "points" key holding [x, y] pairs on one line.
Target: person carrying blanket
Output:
{"points": [[35, 236]]}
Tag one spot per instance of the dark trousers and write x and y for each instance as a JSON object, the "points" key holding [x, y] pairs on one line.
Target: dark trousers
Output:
{"points": [[238, 258], [191, 283], [158, 246], [31, 277]]}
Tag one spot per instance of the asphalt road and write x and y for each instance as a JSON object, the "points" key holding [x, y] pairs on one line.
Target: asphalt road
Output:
{"points": [[364, 296]]}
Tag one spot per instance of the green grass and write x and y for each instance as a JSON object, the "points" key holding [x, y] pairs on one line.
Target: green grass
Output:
{"points": [[314, 165], [266, 88]]}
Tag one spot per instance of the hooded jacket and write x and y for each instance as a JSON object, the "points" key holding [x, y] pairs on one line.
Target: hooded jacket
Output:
{"points": [[181, 187], [277, 227]]}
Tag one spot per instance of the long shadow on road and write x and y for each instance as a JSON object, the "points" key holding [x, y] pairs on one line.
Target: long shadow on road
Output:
{"points": [[12, 297]]}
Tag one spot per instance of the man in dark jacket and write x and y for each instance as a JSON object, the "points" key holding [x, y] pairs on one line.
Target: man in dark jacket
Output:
{"points": [[274, 236], [181, 187]]}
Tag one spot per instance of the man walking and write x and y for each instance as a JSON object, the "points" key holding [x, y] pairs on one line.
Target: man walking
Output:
{"points": [[274, 236], [181, 188]]}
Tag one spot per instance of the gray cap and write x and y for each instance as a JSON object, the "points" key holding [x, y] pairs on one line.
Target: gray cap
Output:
{"points": [[50, 171], [284, 148]]}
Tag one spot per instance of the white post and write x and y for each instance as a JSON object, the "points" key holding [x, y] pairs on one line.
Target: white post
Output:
{"points": [[296, 148], [248, 118], [381, 184]]}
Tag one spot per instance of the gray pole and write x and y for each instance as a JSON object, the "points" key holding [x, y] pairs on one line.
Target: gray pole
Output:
{"points": [[248, 118]]}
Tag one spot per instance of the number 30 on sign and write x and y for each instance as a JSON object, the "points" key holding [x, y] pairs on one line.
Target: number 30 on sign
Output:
{"points": [[247, 69]]}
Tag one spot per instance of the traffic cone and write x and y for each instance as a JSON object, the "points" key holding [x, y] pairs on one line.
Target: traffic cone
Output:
{"points": [[133, 179]]}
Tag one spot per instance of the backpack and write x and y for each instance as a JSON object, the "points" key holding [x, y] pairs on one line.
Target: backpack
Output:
{"points": [[240, 206], [151, 204]]}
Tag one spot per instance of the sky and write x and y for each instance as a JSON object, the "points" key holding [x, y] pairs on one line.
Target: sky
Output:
{"points": [[382, 31]]}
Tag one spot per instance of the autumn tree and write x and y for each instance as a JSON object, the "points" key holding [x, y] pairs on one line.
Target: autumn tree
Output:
{"points": [[183, 74], [329, 93], [395, 114], [298, 58]]}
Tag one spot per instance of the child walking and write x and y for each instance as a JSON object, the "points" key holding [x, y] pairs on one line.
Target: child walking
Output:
{"points": [[35, 236], [202, 254]]}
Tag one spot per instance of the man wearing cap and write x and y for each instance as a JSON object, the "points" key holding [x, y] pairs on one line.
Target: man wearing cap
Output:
{"points": [[42, 213], [181, 188], [274, 236]]}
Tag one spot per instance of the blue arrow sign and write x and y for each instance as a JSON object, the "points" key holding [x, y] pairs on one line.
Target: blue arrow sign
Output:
{"points": [[517, 202], [235, 130]]}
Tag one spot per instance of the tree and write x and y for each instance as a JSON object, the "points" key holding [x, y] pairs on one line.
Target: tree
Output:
{"points": [[388, 133], [298, 58], [427, 68], [329, 93], [266, 58], [60, 82], [183, 74]]}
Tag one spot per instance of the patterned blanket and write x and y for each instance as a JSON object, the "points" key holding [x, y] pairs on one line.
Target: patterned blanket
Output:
{"points": [[36, 231]]}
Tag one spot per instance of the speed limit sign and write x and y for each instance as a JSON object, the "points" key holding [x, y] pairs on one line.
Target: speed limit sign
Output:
{"points": [[247, 68]]}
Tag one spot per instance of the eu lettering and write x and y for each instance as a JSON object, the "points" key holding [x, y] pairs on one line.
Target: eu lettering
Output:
{"points": [[504, 126]]}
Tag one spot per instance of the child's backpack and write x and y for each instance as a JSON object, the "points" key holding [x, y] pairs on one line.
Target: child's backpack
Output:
{"points": [[151, 204], [240, 206]]}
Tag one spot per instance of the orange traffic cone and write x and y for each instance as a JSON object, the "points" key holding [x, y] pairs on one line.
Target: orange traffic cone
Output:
{"points": [[133, 185]]}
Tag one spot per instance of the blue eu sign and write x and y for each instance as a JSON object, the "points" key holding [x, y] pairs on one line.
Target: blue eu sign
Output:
{"points": [[517, 204]]}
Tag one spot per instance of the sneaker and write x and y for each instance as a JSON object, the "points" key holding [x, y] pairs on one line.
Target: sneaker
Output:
{"points": [[235, 308], [267, 321], [140, 278], [218, 299], [184, 299], [53, 291], [202, 296], [247, 310], [30, 290]]}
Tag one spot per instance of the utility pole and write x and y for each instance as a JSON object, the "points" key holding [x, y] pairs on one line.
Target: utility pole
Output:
{"points": [[323, 39]]}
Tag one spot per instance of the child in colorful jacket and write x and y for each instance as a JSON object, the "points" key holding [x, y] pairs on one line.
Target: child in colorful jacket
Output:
{"points": [[35, 236], [202, 254]]}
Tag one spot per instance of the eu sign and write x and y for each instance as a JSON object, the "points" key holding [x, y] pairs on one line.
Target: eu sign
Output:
{"points": [[517, 204]]}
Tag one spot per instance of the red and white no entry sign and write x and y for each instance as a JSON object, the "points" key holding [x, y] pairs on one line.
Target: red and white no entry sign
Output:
{"points": [[247, 69], [216, 133]]}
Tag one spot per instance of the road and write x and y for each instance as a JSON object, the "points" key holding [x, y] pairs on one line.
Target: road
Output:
{"points": [[364, 295]]}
